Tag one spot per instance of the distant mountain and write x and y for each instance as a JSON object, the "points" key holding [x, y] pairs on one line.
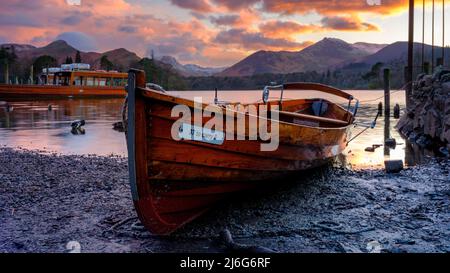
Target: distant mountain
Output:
{"points": [[321, 56], [60, 50], [369, 48], [19, 47], [189, 70], [396, 55], [121, 58]]}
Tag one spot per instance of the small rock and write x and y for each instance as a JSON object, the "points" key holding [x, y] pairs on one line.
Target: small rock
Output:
{"points": [[424, 142], [73, 247], [393, 166], [405, 242], [374, 247], [444, 151], [19, 245], [412, 137], [396, 250]]}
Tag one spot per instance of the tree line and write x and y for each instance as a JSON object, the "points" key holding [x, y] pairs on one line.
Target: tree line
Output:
{"points": [[15, 71], [352, 76]]}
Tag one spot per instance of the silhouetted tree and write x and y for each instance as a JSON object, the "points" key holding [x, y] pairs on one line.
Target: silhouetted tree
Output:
{"points": [[105, 63], [8, 58], [42, 62], [78, 57], [68, 60], [373, 76]]}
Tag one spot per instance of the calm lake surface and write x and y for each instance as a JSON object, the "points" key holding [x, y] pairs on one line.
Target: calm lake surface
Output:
{"points": [[32, 126]]}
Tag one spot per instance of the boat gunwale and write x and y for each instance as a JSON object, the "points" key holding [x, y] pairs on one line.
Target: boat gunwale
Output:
{"points": [[157, 95], [138, 105]]}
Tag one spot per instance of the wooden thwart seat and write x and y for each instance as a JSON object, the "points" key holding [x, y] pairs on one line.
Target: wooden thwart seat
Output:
{"points": [[314, 118]]}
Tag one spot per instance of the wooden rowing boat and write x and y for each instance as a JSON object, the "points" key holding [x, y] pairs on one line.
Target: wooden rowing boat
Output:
{"points": [[174, 181]]}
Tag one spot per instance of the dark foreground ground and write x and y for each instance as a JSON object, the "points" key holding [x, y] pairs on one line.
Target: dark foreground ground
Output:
{"points": [[48, 200]]}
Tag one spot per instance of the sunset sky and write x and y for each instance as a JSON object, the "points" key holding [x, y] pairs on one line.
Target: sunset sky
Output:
{"points": [[206, 32]]}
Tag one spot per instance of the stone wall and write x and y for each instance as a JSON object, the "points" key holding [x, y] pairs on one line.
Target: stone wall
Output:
{"points": [[427, 122]]}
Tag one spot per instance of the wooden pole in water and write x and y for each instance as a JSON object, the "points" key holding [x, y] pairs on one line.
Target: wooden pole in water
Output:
{"points": [[443, 32], [432, 41], [387, 108], [409, 74], [387, 92], [423, 36]]}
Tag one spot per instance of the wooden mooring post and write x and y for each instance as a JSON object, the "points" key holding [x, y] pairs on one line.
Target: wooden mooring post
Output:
{"points": [[387, 92], [387, 108]]}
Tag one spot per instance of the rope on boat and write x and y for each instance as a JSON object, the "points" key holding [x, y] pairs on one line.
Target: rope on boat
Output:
{"points": [[371, 126], [392, 92]]}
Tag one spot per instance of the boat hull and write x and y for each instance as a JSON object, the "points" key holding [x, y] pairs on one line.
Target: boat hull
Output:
{"points": [[11, 90], [173, 182]]}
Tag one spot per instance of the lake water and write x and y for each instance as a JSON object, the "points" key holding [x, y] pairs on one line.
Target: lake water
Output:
{"points": [[32, 126]]}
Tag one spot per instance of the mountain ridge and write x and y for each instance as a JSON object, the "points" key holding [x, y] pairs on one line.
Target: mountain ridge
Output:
{"points": [[190, 70], [326, 54]]}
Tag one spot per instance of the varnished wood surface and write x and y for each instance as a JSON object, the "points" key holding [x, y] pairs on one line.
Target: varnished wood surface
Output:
{"points": [[179, 180]]}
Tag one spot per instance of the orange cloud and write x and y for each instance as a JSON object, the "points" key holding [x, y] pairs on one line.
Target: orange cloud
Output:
{"points": [[221, 32], [243, 19], [327, 7], [286, 28], [347, 24], [246, 40], [201, 6]]}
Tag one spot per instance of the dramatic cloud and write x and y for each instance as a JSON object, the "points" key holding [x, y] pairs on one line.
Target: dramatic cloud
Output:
{"points": [[327, 7], [255, 40], [75, 18], [236, 4], [286, 28], [78, 40], [225, 20], [19, 20], [194, 5], [128, 29], [245, 19], [347, 24], [207, 32]]}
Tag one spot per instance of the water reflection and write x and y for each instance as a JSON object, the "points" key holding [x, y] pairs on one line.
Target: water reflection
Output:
{"points": [[31, 125]]}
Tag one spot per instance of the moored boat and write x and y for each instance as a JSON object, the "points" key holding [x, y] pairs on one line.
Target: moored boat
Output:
{"points": [[72, 80], [175, 178]]}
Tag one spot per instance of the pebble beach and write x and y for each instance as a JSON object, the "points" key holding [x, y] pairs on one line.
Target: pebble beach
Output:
{"points": [[48, 200]]}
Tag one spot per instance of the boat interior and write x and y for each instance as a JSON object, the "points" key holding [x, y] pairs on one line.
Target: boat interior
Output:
{"points": [[312, 112]]}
